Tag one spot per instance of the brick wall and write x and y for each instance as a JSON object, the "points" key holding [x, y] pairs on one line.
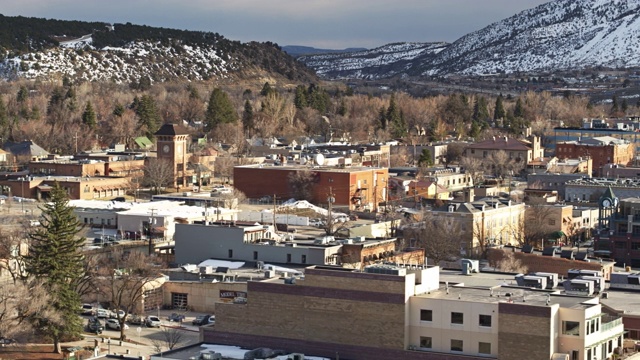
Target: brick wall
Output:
{"points": [[552, 264], [524, 332]]}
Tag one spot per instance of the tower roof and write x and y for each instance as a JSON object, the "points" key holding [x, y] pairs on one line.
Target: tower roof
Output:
{"points": [[171, 130], [608, 193]]}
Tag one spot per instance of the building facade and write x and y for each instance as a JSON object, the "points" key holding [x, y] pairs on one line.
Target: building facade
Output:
{"points": [[172, 144], [351, 188], [602, 150], [388, 312], [518, 150]]}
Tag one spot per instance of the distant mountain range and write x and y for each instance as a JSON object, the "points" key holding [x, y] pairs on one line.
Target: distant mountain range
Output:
{"points": [[36, 48], [298, 50], [559, 35]]}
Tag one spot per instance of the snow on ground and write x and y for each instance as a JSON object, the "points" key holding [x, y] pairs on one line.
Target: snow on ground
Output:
{"points": [[303, 204], [222, 263]]}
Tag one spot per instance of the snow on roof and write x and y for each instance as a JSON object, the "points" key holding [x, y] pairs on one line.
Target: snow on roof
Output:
{"points": [[303, 204], [236, 352], [222, 263]]}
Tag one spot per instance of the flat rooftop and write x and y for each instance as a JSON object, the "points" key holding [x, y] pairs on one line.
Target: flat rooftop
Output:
{"points": [[626, 301], [316, 168]]}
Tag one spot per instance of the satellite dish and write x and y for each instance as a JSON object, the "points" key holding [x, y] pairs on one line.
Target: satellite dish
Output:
{"points": [[319, 159]]}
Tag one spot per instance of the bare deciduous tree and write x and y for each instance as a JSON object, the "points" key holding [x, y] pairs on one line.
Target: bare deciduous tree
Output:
{"points": [[473, 167], [123, 279], [440, 239], [158, 173], [301, 184]]}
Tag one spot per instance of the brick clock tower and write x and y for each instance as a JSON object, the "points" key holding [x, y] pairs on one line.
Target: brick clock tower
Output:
{"points": [[171, 144]]}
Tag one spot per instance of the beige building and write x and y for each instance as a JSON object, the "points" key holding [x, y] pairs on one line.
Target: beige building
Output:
{"points": [[483, 223], [516, 149], [390, 312]]}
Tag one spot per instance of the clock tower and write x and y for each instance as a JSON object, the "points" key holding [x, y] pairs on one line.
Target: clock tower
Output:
{"points": [[171, 144], [607, 206]]}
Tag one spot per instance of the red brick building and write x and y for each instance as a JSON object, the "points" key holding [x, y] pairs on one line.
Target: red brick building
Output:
{"points": [[602, 150], [355, 188]]}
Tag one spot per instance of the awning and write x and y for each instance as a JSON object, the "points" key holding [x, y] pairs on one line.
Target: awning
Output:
{"points": [[158, 229], [557, 235]]}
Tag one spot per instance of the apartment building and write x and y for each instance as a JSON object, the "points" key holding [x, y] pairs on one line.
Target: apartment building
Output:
{"points": [[602, 150], [393, 312], [489, 221], [516, 149]]}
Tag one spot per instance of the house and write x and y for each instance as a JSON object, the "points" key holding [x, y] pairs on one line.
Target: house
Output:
{"points": [[427, 190], [516, 149], [25, 151]]}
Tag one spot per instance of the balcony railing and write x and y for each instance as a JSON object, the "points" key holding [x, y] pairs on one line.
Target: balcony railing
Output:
{"points": [[609, 322]]}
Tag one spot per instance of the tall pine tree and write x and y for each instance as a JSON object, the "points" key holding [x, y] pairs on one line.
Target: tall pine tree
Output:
{"points": [[55, 257], [148, 114], [89, 116], [247, 116], [220, 110], [499, 112]]}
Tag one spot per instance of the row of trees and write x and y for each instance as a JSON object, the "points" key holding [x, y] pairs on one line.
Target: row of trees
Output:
{"points": [[42, 296], [103, 113]]}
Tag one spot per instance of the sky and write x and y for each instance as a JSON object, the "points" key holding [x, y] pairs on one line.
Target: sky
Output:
{"points": [[332, 24]]}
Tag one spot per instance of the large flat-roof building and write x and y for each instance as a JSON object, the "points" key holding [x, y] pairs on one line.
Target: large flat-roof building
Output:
{"points": [[396, 312], [602, 150], [352, 188]]}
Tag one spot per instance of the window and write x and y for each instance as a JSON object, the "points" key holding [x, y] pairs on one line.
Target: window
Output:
{"points": [[485, 320], [425, 342], [255, 255], [635, 246], [484, 348], [304, 259], [456, 345], [457, 318], [426, 315], [621, 244], [230, 253], [288, 258], [484, 154], [552, 222], [571, 328]]}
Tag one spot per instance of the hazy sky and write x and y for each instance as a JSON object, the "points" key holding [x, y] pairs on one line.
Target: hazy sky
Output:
{"points": [[319, 23]]}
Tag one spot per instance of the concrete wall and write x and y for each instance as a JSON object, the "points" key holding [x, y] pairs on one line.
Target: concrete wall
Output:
{"points": [[195, 243]]}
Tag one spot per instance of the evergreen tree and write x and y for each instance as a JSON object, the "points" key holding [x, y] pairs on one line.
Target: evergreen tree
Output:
{"points": [[247, 115], [193, 92], [23, 94], [55, 101], [480, 110], [624, 106], [55, 256], [89, 116], [4, 118], [300, 99], [342, 109], [382, 118], [425, 159], [266, 89], [148, 114], [499, 112], [475, 129], [614, 105], [70, 97], [393, 112], [118, 110], [220, 110], [518, 112], [399, 124], [318, 99]]}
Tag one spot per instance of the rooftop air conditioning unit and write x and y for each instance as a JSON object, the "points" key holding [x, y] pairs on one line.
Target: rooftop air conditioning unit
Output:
{"points": [[269, 274]]}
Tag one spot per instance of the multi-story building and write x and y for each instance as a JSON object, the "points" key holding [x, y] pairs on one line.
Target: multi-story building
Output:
{"points": [[590, 190], [489, 221], [516, 149], [619, 229], [552, 181], [390, 312], [172, 144], [351, 188], [38, 187], [602, 150]]}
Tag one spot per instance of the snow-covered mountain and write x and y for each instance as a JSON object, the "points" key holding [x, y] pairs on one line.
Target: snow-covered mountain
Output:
{"points": [[384, 61], [125, 53], [559, 35]]}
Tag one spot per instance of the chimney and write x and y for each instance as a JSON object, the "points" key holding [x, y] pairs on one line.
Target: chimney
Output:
{"points": [[506, 139], [494, 139]]}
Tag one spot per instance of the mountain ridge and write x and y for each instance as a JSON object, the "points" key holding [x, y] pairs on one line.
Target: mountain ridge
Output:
{"points": [[558, 35]]}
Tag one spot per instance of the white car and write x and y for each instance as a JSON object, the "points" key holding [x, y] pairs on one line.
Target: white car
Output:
{"points": [[153, 321], [114, 324], [102, 313]]}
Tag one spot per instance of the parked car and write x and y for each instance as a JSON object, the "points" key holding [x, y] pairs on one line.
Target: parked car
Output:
{"points": [[95, 325], [136, 320], [102, 313], [117, 314], [176, 317], [153, 321], [202, 319], [86, 309], [114, 324]]}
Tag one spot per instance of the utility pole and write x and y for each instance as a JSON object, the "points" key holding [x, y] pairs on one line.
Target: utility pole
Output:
{"points": [[330, 200], [76, 138], [275, 228], [151, 220]]}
